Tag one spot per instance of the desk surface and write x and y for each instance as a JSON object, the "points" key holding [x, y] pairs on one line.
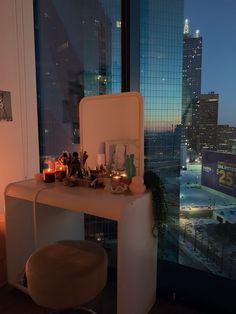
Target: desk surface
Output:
{"points": [[82, 199]]}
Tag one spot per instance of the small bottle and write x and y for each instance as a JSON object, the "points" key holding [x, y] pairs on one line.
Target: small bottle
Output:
{"points": [[129, 166]]}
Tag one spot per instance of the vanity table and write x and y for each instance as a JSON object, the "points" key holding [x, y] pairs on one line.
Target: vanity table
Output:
{"points": [[38, 213]]}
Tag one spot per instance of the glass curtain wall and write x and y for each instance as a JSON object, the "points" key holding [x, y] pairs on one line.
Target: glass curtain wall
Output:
{"points": [[207, 225], [77, 54], [161, 86]]}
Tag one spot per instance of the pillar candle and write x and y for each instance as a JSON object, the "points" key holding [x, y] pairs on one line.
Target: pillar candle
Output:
{"points": [[48, 175]]}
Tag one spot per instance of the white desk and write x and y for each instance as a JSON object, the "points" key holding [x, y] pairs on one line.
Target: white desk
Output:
{"points": [[39, 213]]}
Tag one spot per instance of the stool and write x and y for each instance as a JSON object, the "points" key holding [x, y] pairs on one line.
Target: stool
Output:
{"points": [[66, 274]]}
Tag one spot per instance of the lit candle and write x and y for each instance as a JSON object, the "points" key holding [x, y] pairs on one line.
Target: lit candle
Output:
{"points": [[48, 175], [61, 172], [125, 179], [116, 178]]}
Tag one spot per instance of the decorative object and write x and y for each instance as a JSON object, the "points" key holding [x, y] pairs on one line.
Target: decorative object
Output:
{"points": [[116, 187], [129, 166], [64, 159], [117, 151], [5, 106], [49, 172], [75, 166], [60, 171], [137, 186], [48, 175]]}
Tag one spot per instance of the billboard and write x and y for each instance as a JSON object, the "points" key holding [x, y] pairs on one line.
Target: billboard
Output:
{"points": [[219, 171]]}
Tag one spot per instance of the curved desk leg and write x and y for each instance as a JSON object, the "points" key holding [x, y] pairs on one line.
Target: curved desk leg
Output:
{"points": [[137, 259]]}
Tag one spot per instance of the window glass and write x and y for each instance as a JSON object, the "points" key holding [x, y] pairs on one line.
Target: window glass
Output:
{"points": [[77, 54], [207, 220], [161, 85]]}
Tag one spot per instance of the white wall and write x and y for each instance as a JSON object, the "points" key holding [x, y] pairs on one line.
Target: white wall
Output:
{"points": [[19, 155]]}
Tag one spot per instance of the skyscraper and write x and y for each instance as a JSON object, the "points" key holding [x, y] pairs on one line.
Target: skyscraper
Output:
{"points": [[208, 117], [226, 137], [74, 59], [161, 44], [161, 81], [191, 89]]}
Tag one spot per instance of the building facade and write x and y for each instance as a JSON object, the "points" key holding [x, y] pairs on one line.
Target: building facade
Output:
{"points": [[226, 137], [161, 81], [74, 42], [208, 118], [191, 89]]}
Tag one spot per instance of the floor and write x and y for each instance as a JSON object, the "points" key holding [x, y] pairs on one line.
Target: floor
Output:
{"points": [[13, 301]]}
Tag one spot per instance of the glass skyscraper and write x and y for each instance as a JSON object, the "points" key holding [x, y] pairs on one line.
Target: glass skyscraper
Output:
{"points": [[78, 54], [192, 69], [161, 85], [161, 81]]}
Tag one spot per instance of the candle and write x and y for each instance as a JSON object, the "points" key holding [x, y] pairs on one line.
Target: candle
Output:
{"points": [[48, 175], [61, 172], [125, 179]]}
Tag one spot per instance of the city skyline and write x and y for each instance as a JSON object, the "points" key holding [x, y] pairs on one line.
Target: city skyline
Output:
{"points": [[218, 70]]}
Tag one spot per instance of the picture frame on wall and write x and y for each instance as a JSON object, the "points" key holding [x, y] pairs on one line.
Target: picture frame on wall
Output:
{"points": [[5, 106]]}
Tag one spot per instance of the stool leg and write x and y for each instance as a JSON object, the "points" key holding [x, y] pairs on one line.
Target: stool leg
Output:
{"points": [[86, 310]]}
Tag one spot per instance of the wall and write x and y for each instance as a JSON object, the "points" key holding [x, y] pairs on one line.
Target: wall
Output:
{"points": [[19, 155]]}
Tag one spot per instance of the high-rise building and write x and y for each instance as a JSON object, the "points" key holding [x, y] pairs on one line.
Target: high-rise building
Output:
{"points": [[161, 43], [74, 59], [208, 117], [191, 89], [226, 137], [161, 81]]}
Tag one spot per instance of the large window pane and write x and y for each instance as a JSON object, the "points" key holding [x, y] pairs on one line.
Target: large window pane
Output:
{"points": [[207, 222], [78, 54], [161, 84]]}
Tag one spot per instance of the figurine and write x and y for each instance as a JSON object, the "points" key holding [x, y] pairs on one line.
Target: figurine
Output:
{"points": [[129, 166], [74, 168], [64, 159], [119, 157]]}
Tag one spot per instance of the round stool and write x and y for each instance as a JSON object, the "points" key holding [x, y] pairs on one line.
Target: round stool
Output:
{"points": [[66, 274]]}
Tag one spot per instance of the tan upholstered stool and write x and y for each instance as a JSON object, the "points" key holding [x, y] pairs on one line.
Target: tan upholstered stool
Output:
{"points": [[66, 274]]}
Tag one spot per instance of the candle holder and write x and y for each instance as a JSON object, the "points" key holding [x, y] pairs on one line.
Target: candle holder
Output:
{"points": [[61, 172], [48, 175]]}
